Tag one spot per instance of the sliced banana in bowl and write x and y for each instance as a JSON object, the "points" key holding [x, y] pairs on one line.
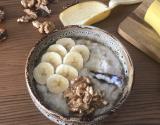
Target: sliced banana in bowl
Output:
{"points": [[67, 71], [65, 64], [53, 58], [68, 43], [57, 83], [83, 50], [58, 49], [42, 71], [74, 59]]}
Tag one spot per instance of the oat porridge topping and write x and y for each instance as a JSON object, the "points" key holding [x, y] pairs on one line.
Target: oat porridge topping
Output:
{"points": [[82, 98]]}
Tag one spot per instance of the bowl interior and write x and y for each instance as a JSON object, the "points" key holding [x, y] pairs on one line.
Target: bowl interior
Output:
{"points": [[90, 33]]}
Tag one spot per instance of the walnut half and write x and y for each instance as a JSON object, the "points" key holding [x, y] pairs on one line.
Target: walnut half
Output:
{"points": [[42, 5], [2, 15], [3, 34], [44, 27], [30, 15], [27, 3]]}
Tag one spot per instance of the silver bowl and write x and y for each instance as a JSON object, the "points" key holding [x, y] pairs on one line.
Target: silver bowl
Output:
{"points": [[87, 32]]}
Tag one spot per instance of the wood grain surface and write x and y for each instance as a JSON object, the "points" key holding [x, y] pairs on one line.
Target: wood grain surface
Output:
{"points": [[136, 31], [16, 108]]}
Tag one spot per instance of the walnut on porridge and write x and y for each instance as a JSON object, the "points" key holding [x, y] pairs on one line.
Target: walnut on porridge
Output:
{"points": [[82, 98]]}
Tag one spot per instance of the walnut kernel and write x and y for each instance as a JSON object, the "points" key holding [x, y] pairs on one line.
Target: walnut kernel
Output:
{"points": [[24, 19], [82, 98], [27, 3], [44, 27], [31, 15], [41, 2], [45, 8], [2, 15], [3, 34]]}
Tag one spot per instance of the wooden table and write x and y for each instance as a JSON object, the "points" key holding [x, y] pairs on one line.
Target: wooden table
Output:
{"points": [[16, 108]]}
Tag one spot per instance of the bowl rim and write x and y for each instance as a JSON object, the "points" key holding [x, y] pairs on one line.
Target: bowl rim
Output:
{"points": [[71, 119]]}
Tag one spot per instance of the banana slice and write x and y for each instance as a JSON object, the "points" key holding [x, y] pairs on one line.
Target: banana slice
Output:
{"points": [[58, 49], [74, 59], [68, 43], [42, 72], [67, 71], [83, 50], [53, 58], [57, 83]]}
